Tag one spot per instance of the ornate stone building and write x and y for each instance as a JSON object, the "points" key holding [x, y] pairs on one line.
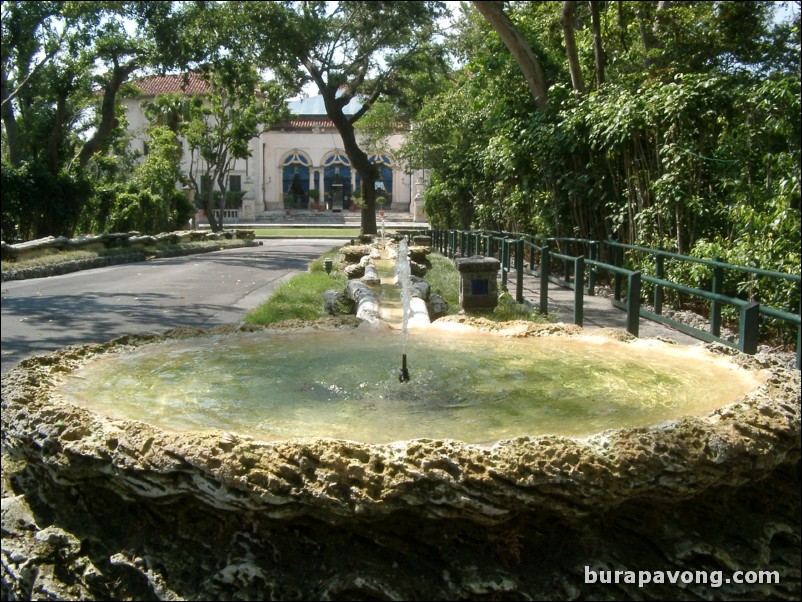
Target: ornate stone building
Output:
{"points": [[291, 158]]}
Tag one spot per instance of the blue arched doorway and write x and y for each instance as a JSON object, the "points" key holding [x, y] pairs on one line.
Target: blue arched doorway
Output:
{"points": [[295, 178], [337, 189]]}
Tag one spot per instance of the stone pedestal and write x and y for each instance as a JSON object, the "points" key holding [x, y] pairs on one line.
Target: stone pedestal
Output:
{"points": [[418, 213], [248, 212], [478, 282]]}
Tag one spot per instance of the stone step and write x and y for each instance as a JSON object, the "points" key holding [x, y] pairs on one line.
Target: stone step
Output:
{"points": [[327, 217]]}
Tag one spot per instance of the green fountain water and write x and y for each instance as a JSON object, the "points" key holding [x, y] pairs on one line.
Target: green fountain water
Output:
{"points": [[467, 385], [344, 384]]}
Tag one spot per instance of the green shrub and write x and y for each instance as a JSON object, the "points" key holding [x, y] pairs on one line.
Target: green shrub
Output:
{"points": [[37, 203]]}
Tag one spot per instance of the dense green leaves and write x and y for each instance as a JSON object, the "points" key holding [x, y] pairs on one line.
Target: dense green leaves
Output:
{"points": [[220, 126], [692, 144], [64, 65], [36, 201], [690, 141]]}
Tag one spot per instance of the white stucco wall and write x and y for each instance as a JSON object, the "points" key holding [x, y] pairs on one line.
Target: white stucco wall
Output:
{"points": [[261, 174], [278, 144]]}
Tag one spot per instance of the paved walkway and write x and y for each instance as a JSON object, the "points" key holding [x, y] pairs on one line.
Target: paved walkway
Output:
{"points": [[598, 311]]}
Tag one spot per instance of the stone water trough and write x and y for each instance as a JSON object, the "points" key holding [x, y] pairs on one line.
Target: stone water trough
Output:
{"points": [[101, 508]]}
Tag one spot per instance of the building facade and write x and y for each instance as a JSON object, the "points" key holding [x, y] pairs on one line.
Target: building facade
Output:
{"points": [[291, 158]]}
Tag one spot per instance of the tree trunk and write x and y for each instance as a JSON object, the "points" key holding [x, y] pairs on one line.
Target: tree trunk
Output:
{"points": [[660, 18], [567, 21], [55, 138], [9, 121], [653, 35], [646, 35], [108, 117], [520, 49], [208, 209], [221, 184], [598, 51], [358, 157], [622, 24]]}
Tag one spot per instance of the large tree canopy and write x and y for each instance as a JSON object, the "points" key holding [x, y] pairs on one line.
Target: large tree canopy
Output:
{"points": [[663, 123], [363, 50], [684, 133], [63, 67], [63, 64]]}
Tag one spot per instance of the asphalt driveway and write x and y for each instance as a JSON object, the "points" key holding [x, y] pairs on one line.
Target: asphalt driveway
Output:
{"points": [[92, 306]]}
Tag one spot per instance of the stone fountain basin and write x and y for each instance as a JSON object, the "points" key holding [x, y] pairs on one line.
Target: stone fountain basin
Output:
{"points": [[389, 503]]}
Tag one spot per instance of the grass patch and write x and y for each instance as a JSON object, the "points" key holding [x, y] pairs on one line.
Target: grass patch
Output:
{"points": [[508, 310], [306, 232], [443, 279], [56, 257], [300, 298], [52, 258]]}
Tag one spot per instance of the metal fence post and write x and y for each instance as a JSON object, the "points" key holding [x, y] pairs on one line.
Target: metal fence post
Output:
{"points": [[545, 264], [659, 272], [799, 339], [748, 326], [715, 306], [505, 262], [617, 253], [799, 333], [532, 255], [594, 256], [519, 271], [579, 290], [633, 303]]}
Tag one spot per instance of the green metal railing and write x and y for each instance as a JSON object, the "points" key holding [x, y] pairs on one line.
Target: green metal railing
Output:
{"points": [[750, 311], [581, 265]]}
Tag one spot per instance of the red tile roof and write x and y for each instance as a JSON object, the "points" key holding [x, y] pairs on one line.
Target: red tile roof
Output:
{"points": [[193, 83], [303, 124], [187, 83]]}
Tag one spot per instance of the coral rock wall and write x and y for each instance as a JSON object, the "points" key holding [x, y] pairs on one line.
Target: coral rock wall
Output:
{"points": [[95, 508]]}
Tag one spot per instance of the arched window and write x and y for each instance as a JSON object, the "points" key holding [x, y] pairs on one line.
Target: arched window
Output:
{"points": [[336, 177], [295, 177]]}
